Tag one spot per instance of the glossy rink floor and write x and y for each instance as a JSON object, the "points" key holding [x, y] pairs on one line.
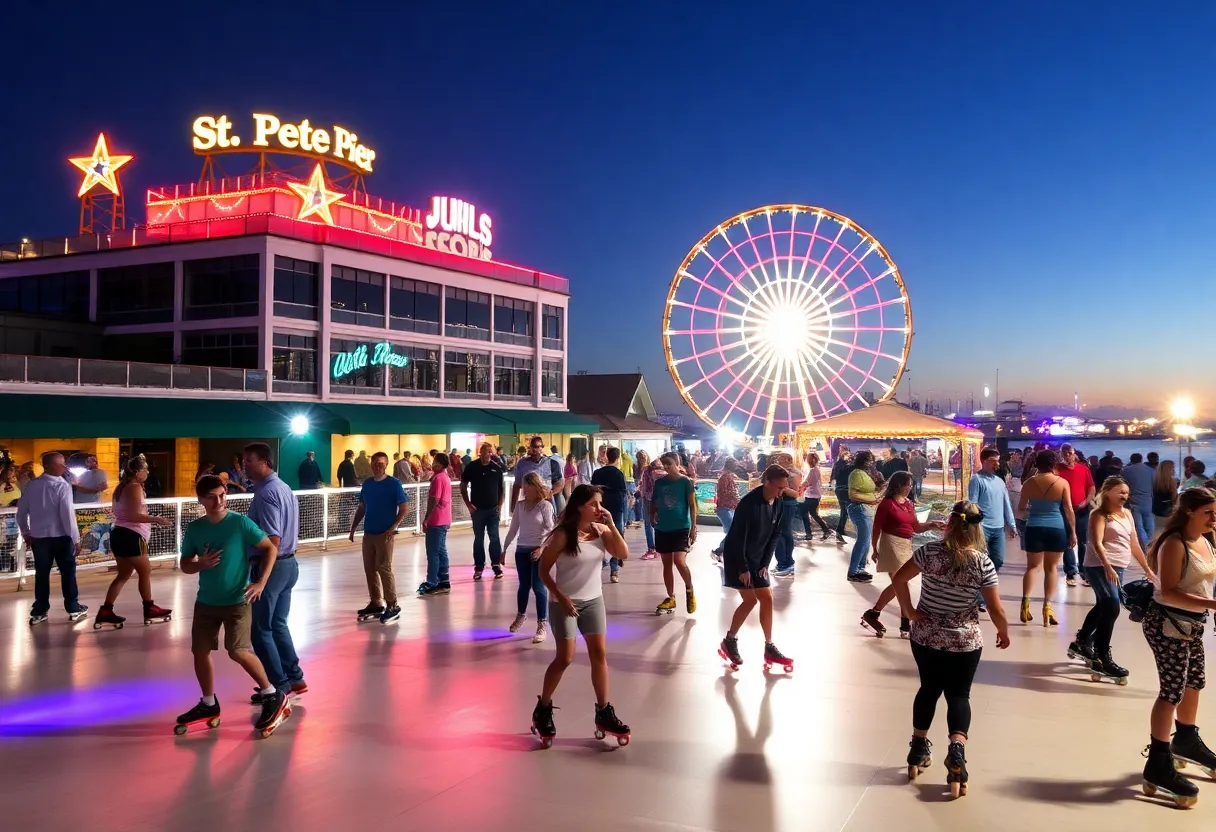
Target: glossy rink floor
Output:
{"points": [[424, 725]]}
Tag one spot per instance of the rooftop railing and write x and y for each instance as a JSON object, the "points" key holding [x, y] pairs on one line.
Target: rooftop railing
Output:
{"points": [[91, 372]]}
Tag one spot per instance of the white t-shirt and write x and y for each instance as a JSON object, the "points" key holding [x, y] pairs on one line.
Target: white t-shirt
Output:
{"points": [[578, 575]]}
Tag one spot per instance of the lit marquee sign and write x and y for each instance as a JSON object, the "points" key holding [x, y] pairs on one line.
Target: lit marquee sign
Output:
{"points": [[455, 226], [214, 134], [346, 363]]}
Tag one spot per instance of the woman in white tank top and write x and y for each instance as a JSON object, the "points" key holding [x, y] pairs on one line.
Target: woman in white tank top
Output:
{"points": [[575, 551], [129, 545], [1111, 545]]}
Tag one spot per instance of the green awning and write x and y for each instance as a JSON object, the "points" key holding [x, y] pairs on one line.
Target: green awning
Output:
{"points": [[548, 421], [39, 416], [416, 418]]}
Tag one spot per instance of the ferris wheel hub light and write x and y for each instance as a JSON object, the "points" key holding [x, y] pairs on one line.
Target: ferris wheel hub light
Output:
{"points": [[785, 331]]}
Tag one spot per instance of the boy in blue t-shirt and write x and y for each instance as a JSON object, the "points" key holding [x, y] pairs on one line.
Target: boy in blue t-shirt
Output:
{"points": [[215, 547], [673, 513]]}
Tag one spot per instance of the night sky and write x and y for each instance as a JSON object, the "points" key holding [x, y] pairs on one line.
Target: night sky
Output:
{"points": [[1041, 172]]}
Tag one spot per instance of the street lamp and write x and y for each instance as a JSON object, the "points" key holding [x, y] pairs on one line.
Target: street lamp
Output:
{"points": [[1183, 411]]}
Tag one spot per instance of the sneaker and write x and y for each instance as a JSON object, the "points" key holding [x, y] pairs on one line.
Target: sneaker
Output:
{"points": [[424, 588], [517, 623], [79, 613], [1084, 581], [299, 687], [615, 578], [497, 572], [477, 574], [716, 555], [651, 554], [784, 573], [439, 589], [860, 578], [866, 575], [542, 632], [390, 615], [1071, 580]]}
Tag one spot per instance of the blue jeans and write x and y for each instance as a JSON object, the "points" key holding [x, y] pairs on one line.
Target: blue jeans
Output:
{"points": [[61, 552], [785, 538], [842, 500], [1071, 564], [619, 520], [726, 516], [437, 555], [1145, 524], [528, 571], [1100, 621], [861, 547], [995, 538], [634, 514], [485, 520], [271, 639], [647, 526]]}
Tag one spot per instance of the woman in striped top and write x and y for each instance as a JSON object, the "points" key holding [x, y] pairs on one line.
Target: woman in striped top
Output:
{"points": [[946, 637]]}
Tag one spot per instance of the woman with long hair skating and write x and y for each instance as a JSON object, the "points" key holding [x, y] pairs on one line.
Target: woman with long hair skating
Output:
{"points": [[946, 636], [532, 520], [570, 566]]}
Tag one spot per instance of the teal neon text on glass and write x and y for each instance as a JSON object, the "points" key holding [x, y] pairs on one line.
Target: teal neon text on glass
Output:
{"points": [[346, 363]]}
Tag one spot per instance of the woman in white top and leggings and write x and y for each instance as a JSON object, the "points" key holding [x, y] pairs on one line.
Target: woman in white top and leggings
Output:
{"points": [[532, 520], [1109, 549], [575, 551]]}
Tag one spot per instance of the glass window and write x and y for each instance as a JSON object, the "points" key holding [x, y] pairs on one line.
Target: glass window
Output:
{"points": [[420, 377], [512, 377], [551, 380], [552, 326], [141, 294], [467, 314], [295, 288], [413, 305], [221, 349], [221, 287], [294, 365], [64, 295], [345, 377], [146, 348], [356, 297], [466, 374], [513, 320]]}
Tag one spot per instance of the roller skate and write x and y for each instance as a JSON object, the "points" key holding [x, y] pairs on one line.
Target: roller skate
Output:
{"points": [[497, 571], [905, 628], [1160, 776], [78, 614], [1025, 616], [299, 687], [425, 588], [1049, 617], [369, 612], [105, 616], [919, 756], [690, 602], [1081, 648], [1104, 665], [275, 710], [390, 615], [542, 723], [774, 656], [153, 613], [37, 618], [871, 620], [202, 712], [1187, 747], [517, 623], [443, 588], [607, 724], [956, 764], [729, 651], [477, 574], [668, 606], [716, 555]]}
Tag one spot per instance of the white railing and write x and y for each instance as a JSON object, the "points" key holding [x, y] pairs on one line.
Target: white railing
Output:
{"points": [[325, 515]]}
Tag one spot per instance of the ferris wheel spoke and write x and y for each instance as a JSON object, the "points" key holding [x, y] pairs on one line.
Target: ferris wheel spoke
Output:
{"points": [[858, 347], [726, 365], [837, 279], [869, 308], [751, 240], [708, 309], [719, 349], [869, 329], [873, 281], [732, 250], [699, 281]]}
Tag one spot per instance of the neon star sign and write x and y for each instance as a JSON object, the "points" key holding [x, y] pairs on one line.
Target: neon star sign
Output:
{"points": [[346, 363], [316, 197], [101, 168]]}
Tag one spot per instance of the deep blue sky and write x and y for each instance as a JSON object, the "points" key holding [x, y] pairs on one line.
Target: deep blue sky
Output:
{"points": [[1041, 172]]}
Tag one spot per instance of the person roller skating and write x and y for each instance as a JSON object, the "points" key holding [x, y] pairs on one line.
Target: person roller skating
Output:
{"points": [[1083, 649], [747, 551], [1104, 665], [673, 513], [1185, 564], [202, 712], [1188, 747], [152, 613], [946, 637], [371, 611], [129, 544], [919, 756], [107, 617], [570, 566]]}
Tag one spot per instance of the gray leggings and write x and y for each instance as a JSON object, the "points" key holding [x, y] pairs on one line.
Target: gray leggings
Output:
{"points": [[592, 619]]}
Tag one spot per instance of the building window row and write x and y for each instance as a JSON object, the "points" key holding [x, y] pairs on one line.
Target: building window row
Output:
{"points": [[551, 380], [221, 287], [356, 297], [467, 314], [552, 326], [512, 377], [64, 295], [221, 349], [294, 363], [413, 306], [295, 288], [139, 294]]}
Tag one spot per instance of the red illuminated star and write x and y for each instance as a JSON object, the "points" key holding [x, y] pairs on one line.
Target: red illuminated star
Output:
{"points": [[100, 168], [315, 196]]}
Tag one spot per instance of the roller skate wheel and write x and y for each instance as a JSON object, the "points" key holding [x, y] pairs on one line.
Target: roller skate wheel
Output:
{"points": [[789, 668], [179, 729], [1095, 677], [266, 732], [622, 740], [768, 666], [1149, 789], [1185, 802], [1123, 682], [1179, 765], [535, 733], [599, 735], [913, 772], [546, 742], [96, 625], [957, 790]]}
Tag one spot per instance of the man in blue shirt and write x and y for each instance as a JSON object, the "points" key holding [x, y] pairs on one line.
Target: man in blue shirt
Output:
{"points": [[382, 502], [546, 467], [276, 512], [1139, 478], [988, 491]]}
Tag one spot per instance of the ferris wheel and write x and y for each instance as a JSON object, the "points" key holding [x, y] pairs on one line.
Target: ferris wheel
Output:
{"points": [[783, 315]]}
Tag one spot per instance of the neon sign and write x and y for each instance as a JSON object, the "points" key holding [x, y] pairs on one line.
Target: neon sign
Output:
{"points": [[346, 363], [214, 135], [455, 227]]}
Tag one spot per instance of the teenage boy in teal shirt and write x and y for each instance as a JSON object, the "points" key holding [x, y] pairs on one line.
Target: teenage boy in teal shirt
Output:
{"points": [[215, 547]]}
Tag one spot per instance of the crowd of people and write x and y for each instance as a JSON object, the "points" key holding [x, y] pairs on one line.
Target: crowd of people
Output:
{"points": [[568, 520]]}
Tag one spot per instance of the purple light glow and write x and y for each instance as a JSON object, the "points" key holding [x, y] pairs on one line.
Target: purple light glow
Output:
{"points": [[49, 713]]}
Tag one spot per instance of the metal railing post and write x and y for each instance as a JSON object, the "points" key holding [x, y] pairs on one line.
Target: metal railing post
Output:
{"points": [[177, 534], [325, 520], [20, 560]]}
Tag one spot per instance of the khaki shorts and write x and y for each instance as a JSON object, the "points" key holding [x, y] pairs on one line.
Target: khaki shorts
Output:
{"points": [[205, 632]]}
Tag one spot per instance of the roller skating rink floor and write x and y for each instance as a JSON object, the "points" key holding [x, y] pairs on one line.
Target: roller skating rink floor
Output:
{"points": [[424, 724]]}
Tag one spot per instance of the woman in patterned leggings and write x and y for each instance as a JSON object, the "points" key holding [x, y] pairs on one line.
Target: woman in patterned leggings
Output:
{"points": [[1173, 626]]}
